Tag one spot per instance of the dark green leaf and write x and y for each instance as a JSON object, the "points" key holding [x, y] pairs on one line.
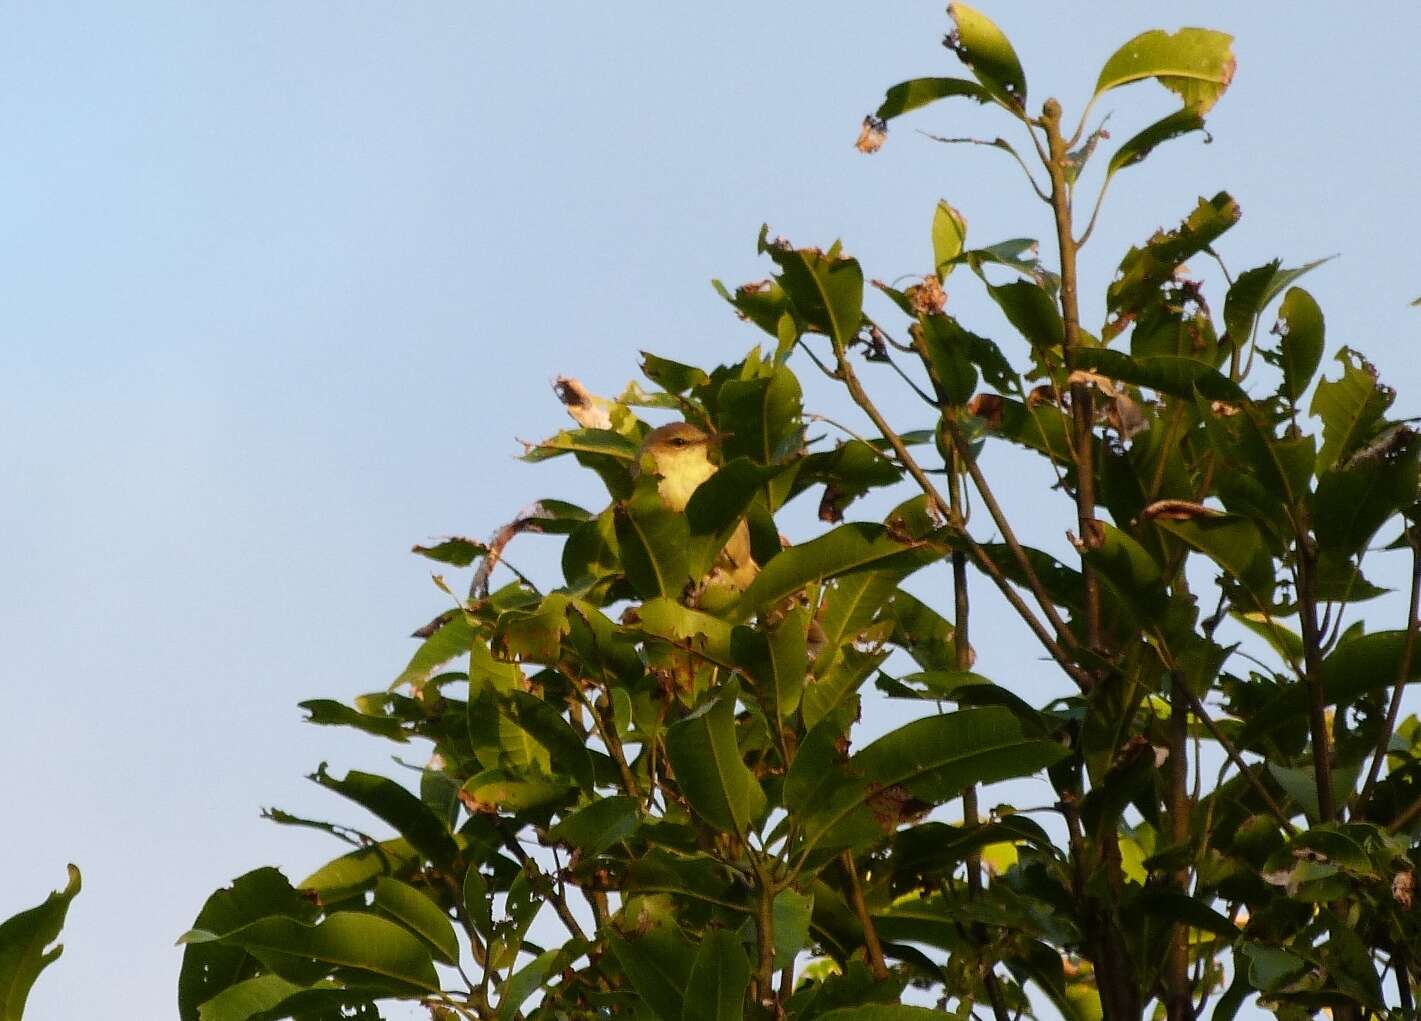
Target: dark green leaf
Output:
{"points": [[720, 976], [849, 547], [596, 827], [1365, 489], [1135, 149], [1301, 325], [420, 915], [398, 807], [25, 946], [329, 713], [759, 419], [454, 550], [1168, 374], [707, 762], [825, 289], [659, 964], [653, 542], [1252, 291], [1144, 270], [921, 91], [776, 659], [1350, 408], [1030, 308]]}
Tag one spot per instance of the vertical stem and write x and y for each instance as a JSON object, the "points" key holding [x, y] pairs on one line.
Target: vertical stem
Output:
{"points": [[962, 648], [1082, 404], [1312, 663], [871, 944], [764, 984], [1180, 1004]]}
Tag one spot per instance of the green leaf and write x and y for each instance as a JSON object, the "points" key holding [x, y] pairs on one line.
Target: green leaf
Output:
{"points": [[949, 235], [948, 348], [544, 722], [1350, 408], [329, 713], [1364, 490], [1135, 149], [673, 377], [791, 916], [1270, 968], [825, 289], [207, 969], [705, 756], [1252, 291], [653, 542], [701, 633], [918, 92], [718, 506], [25, 950], [759, 420], [597, 827], [1232, 542], [720, 976], [351, 873], [454, 638], [985, 49], [659, 964], [1030, 308], [509, 791], [934, 758], [457, 551], [776, 659], [249, 998], [398, 807], [1194, 63], [1144, 270], [346, 939], [835, 685], [882, 1012], [528, 980], [1168, 374], [602, 442], [420, 915], [850, 547], [1301, 324]]}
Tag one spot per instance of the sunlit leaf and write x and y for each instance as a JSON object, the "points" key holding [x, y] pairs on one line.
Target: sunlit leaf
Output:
{"points": [[1194, 63], [344, 939], [985, 49]]}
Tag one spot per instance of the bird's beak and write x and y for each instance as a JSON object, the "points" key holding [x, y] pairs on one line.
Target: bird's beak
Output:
{"points": [[717, 439]]}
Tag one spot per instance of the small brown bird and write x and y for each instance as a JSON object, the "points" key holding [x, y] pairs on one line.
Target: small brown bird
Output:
{"points": [[680, 454]]}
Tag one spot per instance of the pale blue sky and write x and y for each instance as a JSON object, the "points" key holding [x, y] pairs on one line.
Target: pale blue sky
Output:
{"points": [[280, 282]]}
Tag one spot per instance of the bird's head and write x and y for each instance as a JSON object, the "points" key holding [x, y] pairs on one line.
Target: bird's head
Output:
{"points": [[680, 454]]}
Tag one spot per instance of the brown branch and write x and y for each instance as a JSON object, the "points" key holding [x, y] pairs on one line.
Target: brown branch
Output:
{"points": [[872, 947], [851, 381], [999, 518], [1229, 750], [1312, 661], [1179, 1002], [1082, 404]]}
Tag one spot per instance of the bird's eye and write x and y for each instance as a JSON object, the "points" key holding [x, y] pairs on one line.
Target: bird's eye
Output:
{"points": [[679, 441]]}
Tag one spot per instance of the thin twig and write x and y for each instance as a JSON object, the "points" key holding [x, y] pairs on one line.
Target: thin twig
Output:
{"points": [[1218, 735], [1408, 649]]}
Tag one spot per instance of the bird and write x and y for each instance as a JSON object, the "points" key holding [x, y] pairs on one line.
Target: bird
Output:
{"points": [[680, 455]]}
